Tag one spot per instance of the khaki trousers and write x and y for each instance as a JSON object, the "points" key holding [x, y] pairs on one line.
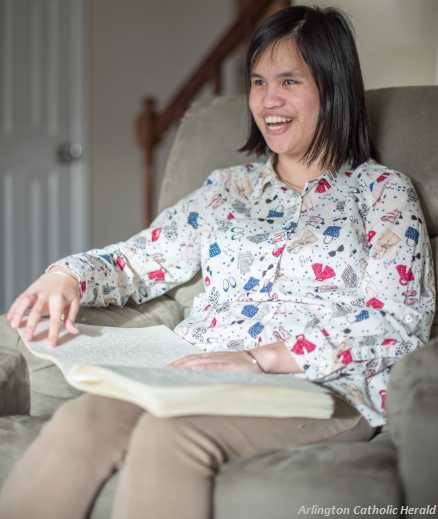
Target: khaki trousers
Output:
{"points": [[168, 465]]}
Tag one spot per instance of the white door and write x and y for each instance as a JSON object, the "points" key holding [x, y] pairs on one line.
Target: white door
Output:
{"points": [[43, 140]]}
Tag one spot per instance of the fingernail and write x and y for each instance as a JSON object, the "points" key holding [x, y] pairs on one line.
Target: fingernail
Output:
{"points": [[51, 343], [28, 336], [9, 316], [15, 323]]}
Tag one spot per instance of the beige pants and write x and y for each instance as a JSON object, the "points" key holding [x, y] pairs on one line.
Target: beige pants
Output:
{"points": [[170, 463]]}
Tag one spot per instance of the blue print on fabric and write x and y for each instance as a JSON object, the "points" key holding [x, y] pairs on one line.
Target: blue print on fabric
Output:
{"points": [[251, 283], [193, 219], [333, 230], [275, 213], [412, 234], [106, 257], [214, 250], [256, 329], [267, 288], [362, 316], [291, 226], [250, 311]]}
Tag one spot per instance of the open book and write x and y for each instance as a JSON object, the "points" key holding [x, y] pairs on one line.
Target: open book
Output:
{"points": [[130, 364]]}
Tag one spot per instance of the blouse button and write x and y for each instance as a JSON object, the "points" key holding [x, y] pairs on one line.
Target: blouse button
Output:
{"points": [[408, 318]]}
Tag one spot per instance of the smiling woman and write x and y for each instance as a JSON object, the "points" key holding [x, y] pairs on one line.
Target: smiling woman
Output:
{"points": [[306, 94], [291, 253]]}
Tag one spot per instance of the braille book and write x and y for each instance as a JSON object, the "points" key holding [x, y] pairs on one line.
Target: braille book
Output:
{"points": [[130, 364]]}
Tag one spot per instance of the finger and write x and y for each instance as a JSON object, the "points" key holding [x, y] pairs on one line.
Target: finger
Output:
{"points": [[23, 303], [34, 318], [182, 361], [70, 315], [56, 309]]}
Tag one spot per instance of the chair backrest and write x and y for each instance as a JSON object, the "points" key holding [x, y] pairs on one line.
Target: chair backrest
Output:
{"points": [[405, 136]]}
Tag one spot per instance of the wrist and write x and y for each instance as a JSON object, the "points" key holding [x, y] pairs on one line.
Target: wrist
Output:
{"points": [[63, 271], [276, 358], [265, 357]]}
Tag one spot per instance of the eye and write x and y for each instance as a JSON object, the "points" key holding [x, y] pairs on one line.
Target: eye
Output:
{"points": [[289, 82], [258, 82]]}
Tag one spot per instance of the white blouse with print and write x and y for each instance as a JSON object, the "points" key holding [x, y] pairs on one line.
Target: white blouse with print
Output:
{"points": [[342, 274]]}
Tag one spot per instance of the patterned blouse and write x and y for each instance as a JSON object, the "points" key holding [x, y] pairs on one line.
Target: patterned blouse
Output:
{"points": [[342, 274]]}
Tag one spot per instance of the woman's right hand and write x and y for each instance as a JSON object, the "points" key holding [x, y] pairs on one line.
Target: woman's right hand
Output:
{"points": [[53, 294]]}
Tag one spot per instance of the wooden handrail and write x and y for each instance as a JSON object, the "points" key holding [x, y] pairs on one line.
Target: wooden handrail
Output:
{"points": [[151, 126]]}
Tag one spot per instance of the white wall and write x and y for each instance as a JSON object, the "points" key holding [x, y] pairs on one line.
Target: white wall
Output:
{"points": [[397, 39], [144, 47], [138, 48]]}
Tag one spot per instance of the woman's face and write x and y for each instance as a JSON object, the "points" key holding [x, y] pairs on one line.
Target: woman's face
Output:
{"points": [[284, 100]]}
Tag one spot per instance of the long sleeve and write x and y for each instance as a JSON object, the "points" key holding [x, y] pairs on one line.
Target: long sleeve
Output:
{"points": [[150, 263], [396, 309]]}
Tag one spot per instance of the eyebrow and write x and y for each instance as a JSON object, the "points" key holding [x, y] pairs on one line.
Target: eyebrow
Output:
{"points": [[287, 73]]}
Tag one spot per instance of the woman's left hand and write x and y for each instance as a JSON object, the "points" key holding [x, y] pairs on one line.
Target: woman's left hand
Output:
{"points": [[217, 361]]}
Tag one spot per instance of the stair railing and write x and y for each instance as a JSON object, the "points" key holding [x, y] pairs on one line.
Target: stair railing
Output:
{"points": [[152, 126]]}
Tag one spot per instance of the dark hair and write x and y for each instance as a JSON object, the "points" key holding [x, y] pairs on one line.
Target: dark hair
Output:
{"points": [[324, 38]]}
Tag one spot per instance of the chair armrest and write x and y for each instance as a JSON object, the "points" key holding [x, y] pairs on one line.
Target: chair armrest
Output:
{"points": [[36, 386], [412, 406], [14, 375]]}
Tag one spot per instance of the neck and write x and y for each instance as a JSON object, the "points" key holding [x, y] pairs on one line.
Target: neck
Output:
{"points": [[292, 171]]}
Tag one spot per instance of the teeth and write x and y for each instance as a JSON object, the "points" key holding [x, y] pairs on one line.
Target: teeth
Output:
{"points": [[275, 119]]}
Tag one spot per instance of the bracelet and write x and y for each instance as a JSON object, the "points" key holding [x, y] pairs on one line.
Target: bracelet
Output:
{"points": [[64, 274], [255, 361]]}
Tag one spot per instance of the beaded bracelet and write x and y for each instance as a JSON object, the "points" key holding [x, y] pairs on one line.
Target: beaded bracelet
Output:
{"points": [[255, 361]]}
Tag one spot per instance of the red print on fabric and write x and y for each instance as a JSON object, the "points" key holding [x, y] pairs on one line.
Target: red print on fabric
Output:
{"points": [[382, 393], [370, 236], [325, 332], [213, 323], [120, 262], [207, 281], [374, 303], [278, 252], [230, 216], [320, 274], [322, 186], [389, 342], [156, 234], [382, 177], [405, 276], [158, 275], [83, 287], [346, 356], [301, 344], [348, 173]]}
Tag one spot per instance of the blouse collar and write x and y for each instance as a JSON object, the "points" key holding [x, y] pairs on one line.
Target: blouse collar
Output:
{"points": [[339, 179]]}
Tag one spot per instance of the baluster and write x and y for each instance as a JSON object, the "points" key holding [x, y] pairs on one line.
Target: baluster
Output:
{"points": [[147, 138]]}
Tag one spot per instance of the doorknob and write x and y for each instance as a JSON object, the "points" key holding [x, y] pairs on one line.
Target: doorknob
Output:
{"points": [[68, 152]]}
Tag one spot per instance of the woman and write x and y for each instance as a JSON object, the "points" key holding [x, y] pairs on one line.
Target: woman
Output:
{"points": [[305, 273]]}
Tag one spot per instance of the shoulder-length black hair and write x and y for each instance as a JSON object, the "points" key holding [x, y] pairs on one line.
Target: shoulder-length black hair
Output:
{"points": [[324, 38]]}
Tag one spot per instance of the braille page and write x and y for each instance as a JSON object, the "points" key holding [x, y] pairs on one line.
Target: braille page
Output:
{"points": [[153, 347]]}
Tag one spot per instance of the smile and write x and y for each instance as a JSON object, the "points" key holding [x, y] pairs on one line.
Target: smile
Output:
{"points": [[276, 125]]}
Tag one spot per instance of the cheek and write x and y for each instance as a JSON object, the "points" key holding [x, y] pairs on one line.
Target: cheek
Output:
{"points": [[253, 104]]}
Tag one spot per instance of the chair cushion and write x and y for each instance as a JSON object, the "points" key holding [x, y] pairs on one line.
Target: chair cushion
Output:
{"points": [[412, 403], [266, 483], [405, 135], [278, 483]]}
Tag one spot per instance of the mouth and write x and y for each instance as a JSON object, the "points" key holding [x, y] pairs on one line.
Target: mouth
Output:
{"points": [[276, 125]]}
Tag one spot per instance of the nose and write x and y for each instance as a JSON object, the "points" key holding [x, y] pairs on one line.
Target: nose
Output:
{"points": [[273, 97]]}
